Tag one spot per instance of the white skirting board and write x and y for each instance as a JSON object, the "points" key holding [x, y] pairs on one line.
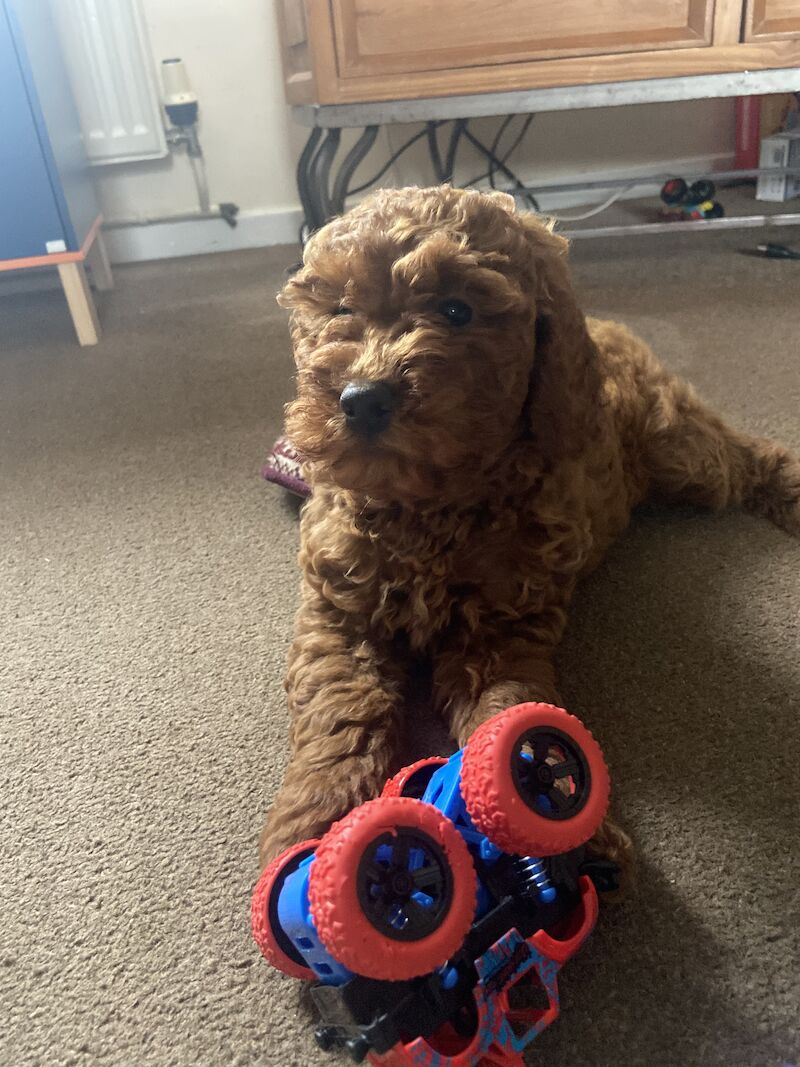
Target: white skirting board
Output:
{"points": [[195, 237]]}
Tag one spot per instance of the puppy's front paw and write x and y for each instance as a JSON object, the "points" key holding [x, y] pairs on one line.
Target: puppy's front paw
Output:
{"points": [[792, 520], [779, 498]]}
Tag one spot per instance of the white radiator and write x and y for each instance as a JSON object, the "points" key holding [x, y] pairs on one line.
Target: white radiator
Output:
{"points": [[113, 78]]}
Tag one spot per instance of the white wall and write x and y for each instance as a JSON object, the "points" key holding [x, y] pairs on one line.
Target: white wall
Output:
{"points": [[251, 144], [231, 51]]}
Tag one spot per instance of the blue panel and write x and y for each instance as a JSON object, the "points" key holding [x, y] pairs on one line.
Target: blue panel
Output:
{"points": [[29, 214], [60, 130], [294, 916]]}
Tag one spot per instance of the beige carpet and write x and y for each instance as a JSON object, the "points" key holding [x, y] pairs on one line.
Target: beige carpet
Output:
{"points": [[148, 584]]}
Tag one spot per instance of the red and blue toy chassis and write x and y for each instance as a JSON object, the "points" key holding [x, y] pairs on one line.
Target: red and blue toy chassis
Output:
{"points": [[430, 953], [496, 1033]]}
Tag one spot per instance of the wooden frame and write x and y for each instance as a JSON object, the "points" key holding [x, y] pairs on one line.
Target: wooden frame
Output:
{"points": [[74, 282], [728, 23], [320, 81], [771, 19], [442, 53]]}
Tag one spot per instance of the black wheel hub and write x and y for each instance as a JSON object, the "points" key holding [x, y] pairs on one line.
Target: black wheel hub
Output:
{"points": [[544, 775], [402, 884], [550, 772], [405, 885]]}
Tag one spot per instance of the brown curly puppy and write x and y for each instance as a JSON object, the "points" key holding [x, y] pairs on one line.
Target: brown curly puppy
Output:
{"points": [[474, 445]]}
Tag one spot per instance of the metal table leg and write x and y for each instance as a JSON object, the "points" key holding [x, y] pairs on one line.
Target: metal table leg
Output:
{"points": [[459, 126], [314, 174], [304, 178], [433, 151], [314, 168], [321, 175]]}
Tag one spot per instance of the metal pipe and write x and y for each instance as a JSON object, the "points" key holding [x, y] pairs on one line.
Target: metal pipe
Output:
{"points": [[731, 222], [187, 135], [200, 180], [214, 212], [648, 179]]}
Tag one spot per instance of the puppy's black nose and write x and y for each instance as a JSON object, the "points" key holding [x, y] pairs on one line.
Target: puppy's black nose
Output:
{"points": [[368, 406]]}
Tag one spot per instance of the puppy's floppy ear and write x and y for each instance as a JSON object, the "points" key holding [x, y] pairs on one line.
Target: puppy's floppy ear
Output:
{"points": [[298, 287], [294, 289], [565, 380]]}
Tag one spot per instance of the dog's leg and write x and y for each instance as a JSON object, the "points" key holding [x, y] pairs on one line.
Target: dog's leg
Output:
{"points": [[471, 687], [344, 697], [691, 454]]}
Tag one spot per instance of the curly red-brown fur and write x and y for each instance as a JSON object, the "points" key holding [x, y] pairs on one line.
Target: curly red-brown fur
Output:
{"points": [[519, 446]]}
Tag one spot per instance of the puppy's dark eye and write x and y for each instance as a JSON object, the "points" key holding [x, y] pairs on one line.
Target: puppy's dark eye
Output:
{"points": [[456, 312], [342, 310]]}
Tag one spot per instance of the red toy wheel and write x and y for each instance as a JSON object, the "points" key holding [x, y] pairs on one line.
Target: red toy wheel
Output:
{"points": [[534, 780], [674, 191], [275, 946], [412, 781], [392, 889]]}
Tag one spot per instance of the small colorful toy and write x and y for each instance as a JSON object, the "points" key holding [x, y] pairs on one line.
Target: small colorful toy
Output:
{"points": [[685, 202], [436, 918]]}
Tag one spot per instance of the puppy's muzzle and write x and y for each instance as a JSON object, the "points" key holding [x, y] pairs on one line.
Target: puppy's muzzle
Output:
{"points": [[368, 407]]}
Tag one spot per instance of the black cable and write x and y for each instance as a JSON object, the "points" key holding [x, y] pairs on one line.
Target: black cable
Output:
{"points": [[507, 154], [392, 159], [501, 166], [496, 146], [775, 251], [434, 152], [461, 129], [517, 140], [455, 136]]}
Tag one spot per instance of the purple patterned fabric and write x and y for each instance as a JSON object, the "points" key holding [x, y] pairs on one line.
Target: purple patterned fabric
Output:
{"points": [[284, 467]]}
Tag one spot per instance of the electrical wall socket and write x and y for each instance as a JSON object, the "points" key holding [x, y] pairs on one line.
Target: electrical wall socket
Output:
{"points": [[780, 150]]}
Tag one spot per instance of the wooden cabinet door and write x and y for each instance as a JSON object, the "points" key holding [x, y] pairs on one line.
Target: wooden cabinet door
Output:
{"points": [[401, 36], [771, 19]]}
